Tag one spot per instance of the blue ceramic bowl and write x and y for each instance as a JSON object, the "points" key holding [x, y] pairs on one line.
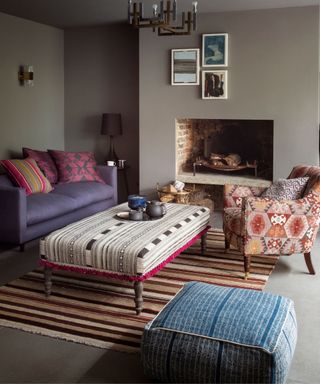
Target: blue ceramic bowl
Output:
{"points": [[136, 201]]}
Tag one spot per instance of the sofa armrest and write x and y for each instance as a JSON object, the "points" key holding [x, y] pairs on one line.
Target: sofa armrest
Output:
{"points": [[233, 194], [280, 227], [110, 176], [13, 208]]}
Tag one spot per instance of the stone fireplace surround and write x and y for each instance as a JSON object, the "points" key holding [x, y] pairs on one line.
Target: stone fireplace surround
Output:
{"points": [[251, 139], [198, 138]]}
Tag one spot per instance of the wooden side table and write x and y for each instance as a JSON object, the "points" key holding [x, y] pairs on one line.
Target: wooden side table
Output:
{"points": [[123, 172]]}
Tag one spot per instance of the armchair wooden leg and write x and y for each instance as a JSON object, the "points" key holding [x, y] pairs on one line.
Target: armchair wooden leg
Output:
{"points": [[307, 258], [226, 244], [247, 261]]}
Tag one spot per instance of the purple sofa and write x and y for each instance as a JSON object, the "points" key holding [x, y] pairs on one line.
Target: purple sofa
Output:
{"points": [[24, 218]]}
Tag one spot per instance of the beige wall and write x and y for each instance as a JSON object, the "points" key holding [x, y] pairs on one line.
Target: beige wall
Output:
{"points": [[273, 74], [30, 116], [101, 76]]}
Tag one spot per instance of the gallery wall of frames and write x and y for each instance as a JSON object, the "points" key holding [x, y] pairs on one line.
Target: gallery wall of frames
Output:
{"points": [[185, 66]]}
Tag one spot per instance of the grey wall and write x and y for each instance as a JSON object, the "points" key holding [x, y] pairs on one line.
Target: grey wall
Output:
{"points": [[273, 74], [30, 116], [102, 75]]}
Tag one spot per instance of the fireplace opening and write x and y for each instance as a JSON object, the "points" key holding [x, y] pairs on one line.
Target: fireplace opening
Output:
{"points": [[228, 146]]}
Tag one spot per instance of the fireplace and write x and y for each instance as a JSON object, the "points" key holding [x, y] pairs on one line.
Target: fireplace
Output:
{"points": [[225, 147]]}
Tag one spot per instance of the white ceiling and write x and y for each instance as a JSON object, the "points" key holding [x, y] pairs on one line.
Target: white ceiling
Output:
{"points": [[75, 13]]}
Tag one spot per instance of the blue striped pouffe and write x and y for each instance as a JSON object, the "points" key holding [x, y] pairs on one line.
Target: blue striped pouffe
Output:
{"points": [[213, 334]]}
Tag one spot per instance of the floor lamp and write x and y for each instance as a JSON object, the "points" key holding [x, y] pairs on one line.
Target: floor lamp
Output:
{"points": [[111, 126]]}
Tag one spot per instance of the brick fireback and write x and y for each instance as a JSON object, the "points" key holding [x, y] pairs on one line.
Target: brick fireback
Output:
{"points": [[256, 136]]}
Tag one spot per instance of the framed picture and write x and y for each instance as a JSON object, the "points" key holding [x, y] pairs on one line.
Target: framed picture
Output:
{"points": [[215, 50], [214, 84], [185, 66]]}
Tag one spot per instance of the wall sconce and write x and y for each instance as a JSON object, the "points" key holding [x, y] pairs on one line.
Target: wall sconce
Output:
{"points": [[26, 75]]}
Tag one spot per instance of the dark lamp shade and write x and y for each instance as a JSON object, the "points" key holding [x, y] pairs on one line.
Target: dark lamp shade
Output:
{"points": [[111, 124]]}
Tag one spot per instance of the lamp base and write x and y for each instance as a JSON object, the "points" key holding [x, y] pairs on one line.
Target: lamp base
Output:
{"points": [[112, 153]]}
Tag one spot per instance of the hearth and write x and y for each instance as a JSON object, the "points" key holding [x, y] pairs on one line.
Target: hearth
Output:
{"points": [[227, 147]]}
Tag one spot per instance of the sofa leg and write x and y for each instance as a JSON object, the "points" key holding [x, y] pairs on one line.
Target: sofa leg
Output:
{"points": [[47, 280], [307, 258], [21, 247], [247, 261]]}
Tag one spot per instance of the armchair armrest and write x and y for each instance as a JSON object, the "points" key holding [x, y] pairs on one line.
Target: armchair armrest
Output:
{"points": [[13, 208], [233, 194], [280, 227], [109, 175]]}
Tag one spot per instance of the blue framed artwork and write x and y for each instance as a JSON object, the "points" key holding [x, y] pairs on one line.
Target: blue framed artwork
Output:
{"points": [[215, 50], [185, 66]]}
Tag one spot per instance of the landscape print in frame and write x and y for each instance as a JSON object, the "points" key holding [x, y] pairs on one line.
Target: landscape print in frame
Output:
{"points": [[185, 66]]}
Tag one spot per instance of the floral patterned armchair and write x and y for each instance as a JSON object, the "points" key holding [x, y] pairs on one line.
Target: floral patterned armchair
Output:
{"points": [[262, 226]]}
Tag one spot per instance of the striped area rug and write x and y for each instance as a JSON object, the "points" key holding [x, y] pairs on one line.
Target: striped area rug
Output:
{"points": [[100, 312]]}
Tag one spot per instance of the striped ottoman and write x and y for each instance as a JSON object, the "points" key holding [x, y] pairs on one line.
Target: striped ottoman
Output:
{"points": [[106, 245], [213, 334]]}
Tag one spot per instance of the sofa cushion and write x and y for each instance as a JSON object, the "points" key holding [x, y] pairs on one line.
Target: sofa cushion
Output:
{"points": [[84, 192], [45, 163], [45, 206], [26, 174], [75, 166]]}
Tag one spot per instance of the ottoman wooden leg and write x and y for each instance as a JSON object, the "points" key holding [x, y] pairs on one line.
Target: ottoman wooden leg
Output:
{"points": [[203, 243], [47, 280], [138, 290]]}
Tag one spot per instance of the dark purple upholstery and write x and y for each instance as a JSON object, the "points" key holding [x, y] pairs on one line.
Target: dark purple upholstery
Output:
{"points": [[13, 208], [5, 181], [45, 206], [62, 221], [24, 218], [84, 192]]}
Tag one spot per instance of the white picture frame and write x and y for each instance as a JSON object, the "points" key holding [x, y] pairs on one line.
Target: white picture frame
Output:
{"points": [[185, 66], [215, 84], [215, 50]]}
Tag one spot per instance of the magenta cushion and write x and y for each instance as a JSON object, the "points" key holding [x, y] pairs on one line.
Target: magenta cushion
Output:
{"points": [[26, 174], [45, 163], [75, 166]]}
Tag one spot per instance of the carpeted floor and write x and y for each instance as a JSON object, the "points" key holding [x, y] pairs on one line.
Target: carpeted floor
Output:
{"points": [[100, 312]]}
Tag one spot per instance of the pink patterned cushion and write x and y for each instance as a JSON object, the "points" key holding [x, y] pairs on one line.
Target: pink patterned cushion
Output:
{"points": [[26, 174], [75, 166], [45, 163]]}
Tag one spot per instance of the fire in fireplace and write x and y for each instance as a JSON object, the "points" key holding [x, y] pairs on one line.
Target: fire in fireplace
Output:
{"points": [[236, 147]]}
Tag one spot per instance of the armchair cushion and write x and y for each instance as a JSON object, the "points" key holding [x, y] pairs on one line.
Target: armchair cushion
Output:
{"points": [[233, 194], [287, 189]]}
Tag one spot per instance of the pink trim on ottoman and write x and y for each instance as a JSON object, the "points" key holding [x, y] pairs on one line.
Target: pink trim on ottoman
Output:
{"points": [[114, 275]]}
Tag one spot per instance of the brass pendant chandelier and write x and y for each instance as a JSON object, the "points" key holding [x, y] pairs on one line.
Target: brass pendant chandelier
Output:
{"points": [[164, 19]]}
